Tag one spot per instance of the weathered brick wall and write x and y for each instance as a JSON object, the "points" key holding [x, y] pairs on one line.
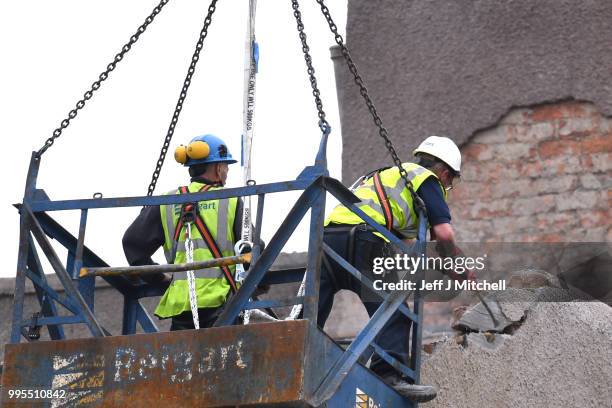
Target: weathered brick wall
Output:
{"points": [[540, 174], [453, 67]]}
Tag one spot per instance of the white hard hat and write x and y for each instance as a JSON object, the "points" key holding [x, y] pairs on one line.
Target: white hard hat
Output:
{"points": [[442, 148]]}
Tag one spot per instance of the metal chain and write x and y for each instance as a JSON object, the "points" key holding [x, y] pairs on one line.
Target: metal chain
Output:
{"points": [[182, 96], [323, 124], [382, 131], [101, 78]]}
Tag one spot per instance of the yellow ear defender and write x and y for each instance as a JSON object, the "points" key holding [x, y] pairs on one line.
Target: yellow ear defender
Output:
{"points": [[180, 154], [198, 150]]}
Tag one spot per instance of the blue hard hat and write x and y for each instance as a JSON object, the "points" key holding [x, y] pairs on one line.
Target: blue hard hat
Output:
{"points": [[218, 151]]}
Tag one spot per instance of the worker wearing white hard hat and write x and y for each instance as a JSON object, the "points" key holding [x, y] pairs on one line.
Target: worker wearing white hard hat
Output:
{"points": [[387, 200], [444, 150]]}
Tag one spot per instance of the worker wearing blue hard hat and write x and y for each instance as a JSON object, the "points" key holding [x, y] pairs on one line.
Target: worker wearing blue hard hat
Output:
{"points": [[203, 149], [214, 228]]}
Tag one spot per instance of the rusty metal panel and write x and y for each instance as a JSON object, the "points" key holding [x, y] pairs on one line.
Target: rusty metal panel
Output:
{"points": [[225, 366]]}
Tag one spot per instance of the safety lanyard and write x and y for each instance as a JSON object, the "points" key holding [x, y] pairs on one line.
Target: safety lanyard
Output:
{"points": [[192, 208]]}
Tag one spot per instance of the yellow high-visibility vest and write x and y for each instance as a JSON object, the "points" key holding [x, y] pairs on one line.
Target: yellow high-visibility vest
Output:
{"points": [[404, 220], [211, 285]]}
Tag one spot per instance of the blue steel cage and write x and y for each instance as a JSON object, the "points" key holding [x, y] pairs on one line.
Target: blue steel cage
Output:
{"points": [[36, 224]]}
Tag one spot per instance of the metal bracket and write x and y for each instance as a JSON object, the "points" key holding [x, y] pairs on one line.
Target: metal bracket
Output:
{"points": [[34, 328]]}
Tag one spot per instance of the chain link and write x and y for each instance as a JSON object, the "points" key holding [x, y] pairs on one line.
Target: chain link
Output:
{"points": [[101, 78], [182, 96], [382, 131], [323, 124]]}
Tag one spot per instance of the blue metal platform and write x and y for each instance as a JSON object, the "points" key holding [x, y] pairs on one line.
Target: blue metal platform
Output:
{"points": [[268, 364], [287, 363]]}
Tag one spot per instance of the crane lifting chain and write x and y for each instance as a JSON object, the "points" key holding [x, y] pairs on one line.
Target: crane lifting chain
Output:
{"points": [[323, 124], [101, 78], [182, 96], [382, 131]]}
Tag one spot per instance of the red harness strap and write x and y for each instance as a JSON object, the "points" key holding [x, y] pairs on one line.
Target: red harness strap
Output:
{"points": [[205, 233], [214, 248], [384, 201], [185, 209]]}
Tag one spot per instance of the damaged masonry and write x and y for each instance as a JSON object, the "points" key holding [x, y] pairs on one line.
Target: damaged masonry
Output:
{"points": [[546, 350]]}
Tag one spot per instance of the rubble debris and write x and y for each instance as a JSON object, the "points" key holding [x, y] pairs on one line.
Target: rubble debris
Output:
{"points": [[430, 346], [531, 278], [550, 351], [508, 307], [488, 341]]}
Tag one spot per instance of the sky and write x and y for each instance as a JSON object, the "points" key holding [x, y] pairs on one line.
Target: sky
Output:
{"points": [[53, 50]]}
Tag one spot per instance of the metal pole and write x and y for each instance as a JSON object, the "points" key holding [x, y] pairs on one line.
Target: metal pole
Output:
{"points": [[171, 268], [258, 270], [24, 243], [313, 271]]}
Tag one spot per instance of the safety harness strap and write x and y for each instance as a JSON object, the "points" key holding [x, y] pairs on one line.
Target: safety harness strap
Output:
{"points": [[191, 208], [214, 248], [186, 208], [384, 201], [186, 211]]}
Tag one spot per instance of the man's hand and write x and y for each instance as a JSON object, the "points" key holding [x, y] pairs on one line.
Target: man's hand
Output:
{"points": [[157, 278], [446, 247], [445, 236]]}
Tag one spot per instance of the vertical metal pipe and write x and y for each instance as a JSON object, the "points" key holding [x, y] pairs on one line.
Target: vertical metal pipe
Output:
{"points": [[32, 176], [47, 305], [315, 251], [78, 255], [130, 316], [417, 327], [70, 260], [24, 233], [24, 242], [87, 285], [258, 225]]}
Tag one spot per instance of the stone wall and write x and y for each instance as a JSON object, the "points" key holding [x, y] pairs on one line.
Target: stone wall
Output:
{"points": [[449, 67], [523, 87], [542, 173]]}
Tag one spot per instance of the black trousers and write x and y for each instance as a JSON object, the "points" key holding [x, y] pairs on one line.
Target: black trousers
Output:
{"points": [[207, 316], [360, 252]]}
